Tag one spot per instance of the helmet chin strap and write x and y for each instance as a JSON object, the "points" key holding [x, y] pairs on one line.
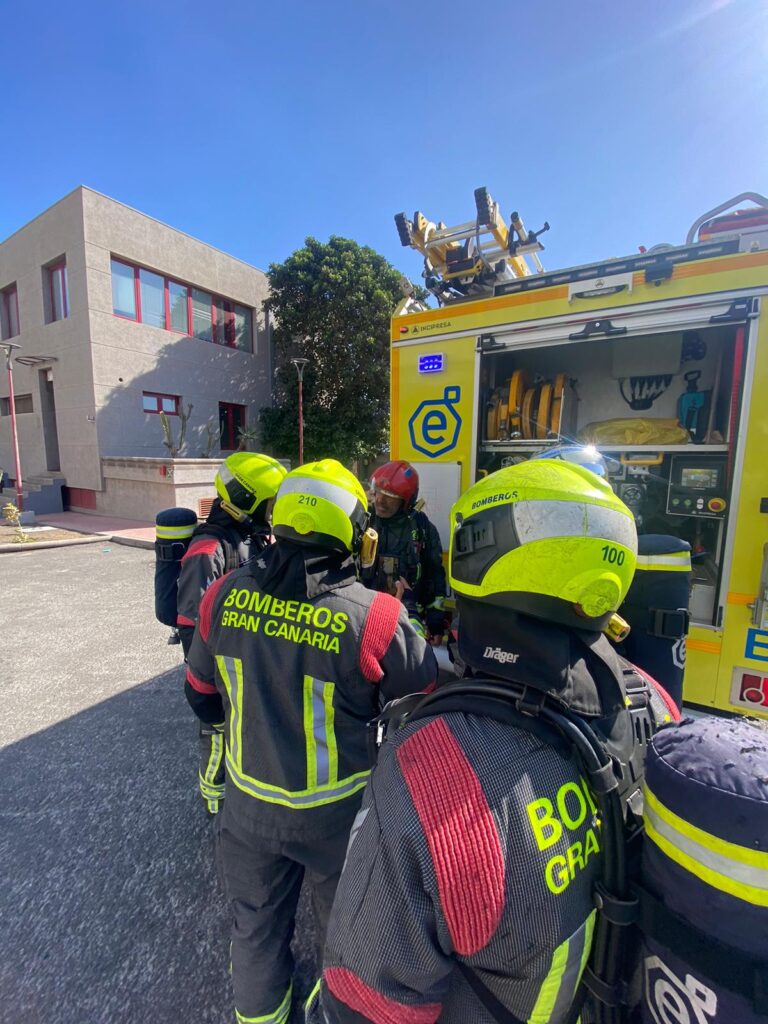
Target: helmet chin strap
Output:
{"points": [[237, 513]]}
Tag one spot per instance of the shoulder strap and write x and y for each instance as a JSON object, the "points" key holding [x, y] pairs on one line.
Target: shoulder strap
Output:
{"points": [[232, 550], [496, 1009], [465, 700], [421, 523], [229, 539], [617, 906], [661, 701]]}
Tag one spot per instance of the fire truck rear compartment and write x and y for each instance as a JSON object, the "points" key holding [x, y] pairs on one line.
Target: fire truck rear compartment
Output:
{"points": [[664, 410]]}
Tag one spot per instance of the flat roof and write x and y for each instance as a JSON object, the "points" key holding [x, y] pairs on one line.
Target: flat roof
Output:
{"points": [[140, 213]]}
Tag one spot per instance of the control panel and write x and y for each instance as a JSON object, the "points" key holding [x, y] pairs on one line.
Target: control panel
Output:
{"points": [[697, 486]]}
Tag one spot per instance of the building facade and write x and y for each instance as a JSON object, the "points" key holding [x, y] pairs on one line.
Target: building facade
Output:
{"points": [[120, 318]]}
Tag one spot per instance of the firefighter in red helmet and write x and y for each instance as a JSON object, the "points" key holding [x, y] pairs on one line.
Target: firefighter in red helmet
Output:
{"points": [[409, 551]]}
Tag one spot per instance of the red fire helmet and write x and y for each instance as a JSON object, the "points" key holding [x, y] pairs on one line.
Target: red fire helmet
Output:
{"points": [[398, 479]]}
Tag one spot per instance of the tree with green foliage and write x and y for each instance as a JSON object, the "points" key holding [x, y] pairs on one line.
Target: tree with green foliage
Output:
{"points": [[331, 304]]}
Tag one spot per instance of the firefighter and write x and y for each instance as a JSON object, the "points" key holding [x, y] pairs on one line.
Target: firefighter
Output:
{"points": [[236, 528], [293, 653], [469, 877], [656, 607], [410, 554]]}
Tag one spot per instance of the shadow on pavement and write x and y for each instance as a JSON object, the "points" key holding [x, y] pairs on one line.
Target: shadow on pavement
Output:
{"points": [[110, 905]]}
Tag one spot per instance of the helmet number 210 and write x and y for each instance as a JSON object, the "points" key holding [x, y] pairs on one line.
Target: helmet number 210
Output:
{"points": [[307, 499], [613, 555]]}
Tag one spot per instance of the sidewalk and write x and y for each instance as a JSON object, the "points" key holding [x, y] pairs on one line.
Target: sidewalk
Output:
{"points": [[133, 532]]}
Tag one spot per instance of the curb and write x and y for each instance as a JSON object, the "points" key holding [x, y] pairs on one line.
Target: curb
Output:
{"points": [[6, 549], [89, 538], [132, 542]]}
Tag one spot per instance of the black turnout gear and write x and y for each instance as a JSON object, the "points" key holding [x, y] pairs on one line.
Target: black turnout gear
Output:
{"points": [[410, 546], [294, 654]]}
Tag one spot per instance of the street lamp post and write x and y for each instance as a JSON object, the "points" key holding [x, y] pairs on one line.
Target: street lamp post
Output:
{"points": [[9, 346], [300, 364]]}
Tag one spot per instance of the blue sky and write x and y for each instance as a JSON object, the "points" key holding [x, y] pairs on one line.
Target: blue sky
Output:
{"points": [[251, 125]]}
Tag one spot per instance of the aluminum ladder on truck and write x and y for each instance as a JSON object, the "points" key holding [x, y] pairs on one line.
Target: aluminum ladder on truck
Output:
{"points": [[469, 259]]}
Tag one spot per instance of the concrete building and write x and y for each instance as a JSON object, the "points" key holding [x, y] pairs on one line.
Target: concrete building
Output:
{"points": [[120, 318]]}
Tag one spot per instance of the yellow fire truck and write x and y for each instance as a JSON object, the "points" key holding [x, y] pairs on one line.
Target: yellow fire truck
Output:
{"points": [[660, 359]]}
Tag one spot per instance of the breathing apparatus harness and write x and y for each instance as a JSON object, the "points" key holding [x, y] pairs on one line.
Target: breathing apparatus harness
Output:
{"points": [[176, 528], [614, 770], [406, 533], [230, 536]]}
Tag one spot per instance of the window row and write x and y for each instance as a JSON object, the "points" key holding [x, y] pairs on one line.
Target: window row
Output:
{"points": [[150, 298], [55, 300], [231, 416], [22, 403]]}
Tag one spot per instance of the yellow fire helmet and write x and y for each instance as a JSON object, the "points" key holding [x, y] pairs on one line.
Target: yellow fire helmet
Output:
{"points": [[246, 479], [546, 538], [321, 503]]}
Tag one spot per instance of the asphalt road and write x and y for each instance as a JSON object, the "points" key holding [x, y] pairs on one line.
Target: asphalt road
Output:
{"points": [[110, 907]]}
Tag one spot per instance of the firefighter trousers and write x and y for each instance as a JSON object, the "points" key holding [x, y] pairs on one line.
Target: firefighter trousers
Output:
{"points": [[263, 879]]}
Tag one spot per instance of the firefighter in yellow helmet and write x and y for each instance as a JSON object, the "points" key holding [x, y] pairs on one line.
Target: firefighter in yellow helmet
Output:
{"points": [[467, 893], [236, 528], [293, 653]]}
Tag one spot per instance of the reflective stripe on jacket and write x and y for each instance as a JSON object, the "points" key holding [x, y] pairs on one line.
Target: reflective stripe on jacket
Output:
{"points": [[299, 677]]}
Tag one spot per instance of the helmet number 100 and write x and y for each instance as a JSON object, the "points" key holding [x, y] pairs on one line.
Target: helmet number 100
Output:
{"points": [[613, 555]]}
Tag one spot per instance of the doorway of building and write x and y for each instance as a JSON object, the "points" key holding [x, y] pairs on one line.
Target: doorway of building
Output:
{"points": [[231, 419], [48, 414]]}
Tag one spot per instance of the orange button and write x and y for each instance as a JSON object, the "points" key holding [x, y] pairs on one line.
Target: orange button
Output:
{"points": [[716, 504]]}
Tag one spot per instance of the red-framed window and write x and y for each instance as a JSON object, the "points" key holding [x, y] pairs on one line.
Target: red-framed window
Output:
{"points": [[125, 291], [151, 298], [56, 291], [155, 402], [231, 419], [9, 312]]}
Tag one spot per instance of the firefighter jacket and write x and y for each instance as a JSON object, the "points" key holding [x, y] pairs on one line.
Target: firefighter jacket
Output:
{"points": [[475, 850], [219, 545], [409, 546], [299, 652]]}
